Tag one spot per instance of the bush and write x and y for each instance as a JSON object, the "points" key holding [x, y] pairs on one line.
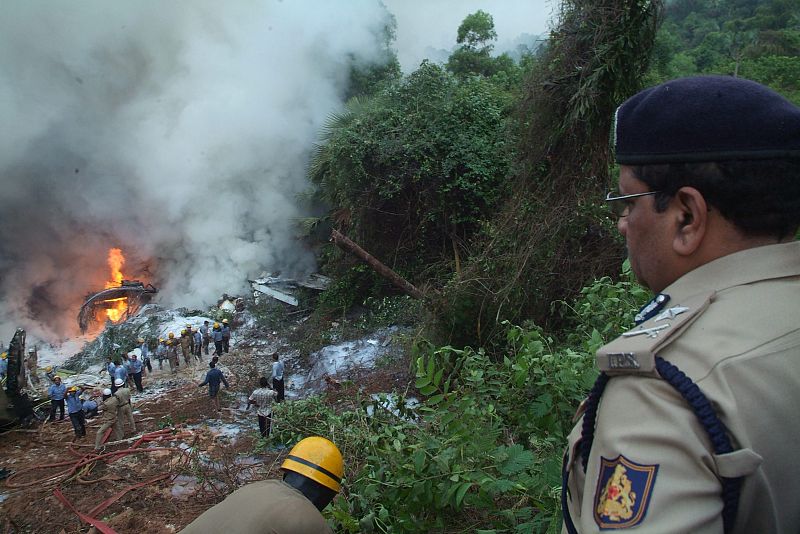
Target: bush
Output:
{"points": [[482, 452]]}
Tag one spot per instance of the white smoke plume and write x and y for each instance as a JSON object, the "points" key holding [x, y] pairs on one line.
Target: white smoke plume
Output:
{"points": [[177, 131]]}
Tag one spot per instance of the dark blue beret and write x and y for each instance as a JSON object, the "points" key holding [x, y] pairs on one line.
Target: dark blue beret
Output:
{"points": [[706, 118]]}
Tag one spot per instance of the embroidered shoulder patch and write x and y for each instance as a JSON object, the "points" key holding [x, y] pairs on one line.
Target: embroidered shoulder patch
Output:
{"points": [[623, 493]]}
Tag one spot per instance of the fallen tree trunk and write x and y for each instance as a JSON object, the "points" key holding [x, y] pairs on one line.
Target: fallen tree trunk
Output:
{"points": [[346, 244]]}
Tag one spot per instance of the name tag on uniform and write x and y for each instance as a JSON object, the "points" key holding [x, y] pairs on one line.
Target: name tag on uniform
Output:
{"points": [[623, 360]]}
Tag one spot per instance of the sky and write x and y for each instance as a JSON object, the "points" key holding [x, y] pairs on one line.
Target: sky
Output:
{"points": [[180, 133]]}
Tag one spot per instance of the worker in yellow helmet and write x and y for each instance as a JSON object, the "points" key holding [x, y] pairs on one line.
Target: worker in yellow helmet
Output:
{"points": [[216, 335], [226, 336], [50, 373], [186, 342], [312, 476], [172, 352]]}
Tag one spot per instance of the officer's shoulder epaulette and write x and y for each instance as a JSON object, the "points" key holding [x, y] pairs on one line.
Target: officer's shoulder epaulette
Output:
{"points": [[634, 351]]}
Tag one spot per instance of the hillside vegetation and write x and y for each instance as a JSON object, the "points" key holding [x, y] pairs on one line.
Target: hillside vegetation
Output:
{"points": [[480, 181]]}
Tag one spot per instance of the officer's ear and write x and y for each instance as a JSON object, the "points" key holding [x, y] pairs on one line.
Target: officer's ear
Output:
{"points": [[690, 213]]}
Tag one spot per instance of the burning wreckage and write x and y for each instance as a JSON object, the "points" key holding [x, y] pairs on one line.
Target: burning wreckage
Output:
{"points": [[119, 303]]}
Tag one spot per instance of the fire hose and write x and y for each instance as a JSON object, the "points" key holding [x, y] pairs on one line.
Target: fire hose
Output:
{"points": [[86, 462]]}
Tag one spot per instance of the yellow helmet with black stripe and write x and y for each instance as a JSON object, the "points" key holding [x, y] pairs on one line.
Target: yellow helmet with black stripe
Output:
{"points": [[318, 459]]}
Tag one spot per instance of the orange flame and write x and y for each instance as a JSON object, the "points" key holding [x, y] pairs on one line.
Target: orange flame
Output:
{"points": [[116, 307]]}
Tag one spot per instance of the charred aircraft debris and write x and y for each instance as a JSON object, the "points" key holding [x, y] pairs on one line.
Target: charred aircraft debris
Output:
{"points": [[15, 404], [134, 293]]}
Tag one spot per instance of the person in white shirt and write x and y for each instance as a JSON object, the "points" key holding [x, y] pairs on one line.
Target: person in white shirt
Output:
{"points": [[262, 398]]}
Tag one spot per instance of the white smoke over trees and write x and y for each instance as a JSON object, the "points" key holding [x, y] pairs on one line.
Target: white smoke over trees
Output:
{"points": [[177, 131]]}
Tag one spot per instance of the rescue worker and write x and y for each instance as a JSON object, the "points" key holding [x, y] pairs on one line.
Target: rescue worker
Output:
{"points": [[145, 350], [161, 352], [185, 342], [111, 368], [312, 475], [120, 377], [190, 331], [135, 366], [50, 373], [198, 341], [277, 376], [262, 398], [216, 335], [206, 336], [90, 407], [692, 424], [57, 391], [172, 352], [124, 411], [226, 336], [75, 410], [109, 418], [31, 364], [3, 365], [213, 377]]}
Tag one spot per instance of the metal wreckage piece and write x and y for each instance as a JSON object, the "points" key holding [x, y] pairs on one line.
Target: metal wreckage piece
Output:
{"points": [[15, 404], [136, 293]]}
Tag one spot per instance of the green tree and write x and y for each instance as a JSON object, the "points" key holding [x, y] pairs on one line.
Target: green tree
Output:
{"points": [[412, 172], [367, 79], [477, 31], [476, 35], [551, 235]]}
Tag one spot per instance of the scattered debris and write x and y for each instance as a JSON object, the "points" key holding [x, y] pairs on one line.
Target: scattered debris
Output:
{"points": [[274, 293], [282, 289], [187, 457]]}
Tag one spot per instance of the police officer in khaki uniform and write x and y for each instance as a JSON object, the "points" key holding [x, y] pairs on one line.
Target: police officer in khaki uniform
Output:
{"points": [[125, 411], [312, 476], [109, 418], [692, 425]]}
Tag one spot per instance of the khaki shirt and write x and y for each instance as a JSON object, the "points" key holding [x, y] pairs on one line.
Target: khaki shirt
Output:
{"points": [[110, 406], [652, 466], [125, 412], [265, 507]]}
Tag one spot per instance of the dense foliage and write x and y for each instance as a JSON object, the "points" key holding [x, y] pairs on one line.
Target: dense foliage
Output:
{"points": [[417, 166], [552, 235], [486, 188], [749, 38], [482, 452]]}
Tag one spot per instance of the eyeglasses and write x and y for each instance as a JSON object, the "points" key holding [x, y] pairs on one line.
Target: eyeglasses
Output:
{"points": [[620, 204]]}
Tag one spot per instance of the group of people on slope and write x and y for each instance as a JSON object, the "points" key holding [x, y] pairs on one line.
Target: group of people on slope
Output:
{"points": [[192, 343], [81, 406], [262, 397]]}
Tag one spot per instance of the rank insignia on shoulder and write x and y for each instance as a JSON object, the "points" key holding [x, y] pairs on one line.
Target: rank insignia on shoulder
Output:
{"points": [[651, 308], [623, 493], [671, 313]]}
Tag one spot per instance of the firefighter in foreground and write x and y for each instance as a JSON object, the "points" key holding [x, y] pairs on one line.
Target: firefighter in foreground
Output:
{"points": [[312, 475]]}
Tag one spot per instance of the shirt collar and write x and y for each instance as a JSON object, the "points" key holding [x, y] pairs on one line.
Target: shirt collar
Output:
{"points": [[747, 266]]}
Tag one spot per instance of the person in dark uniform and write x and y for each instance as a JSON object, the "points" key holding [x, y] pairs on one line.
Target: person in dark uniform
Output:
{"points": [[692, 424], [277, 376], [206, 336], [213, 378], [226, 336], [216, 335], [312, 475]]}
